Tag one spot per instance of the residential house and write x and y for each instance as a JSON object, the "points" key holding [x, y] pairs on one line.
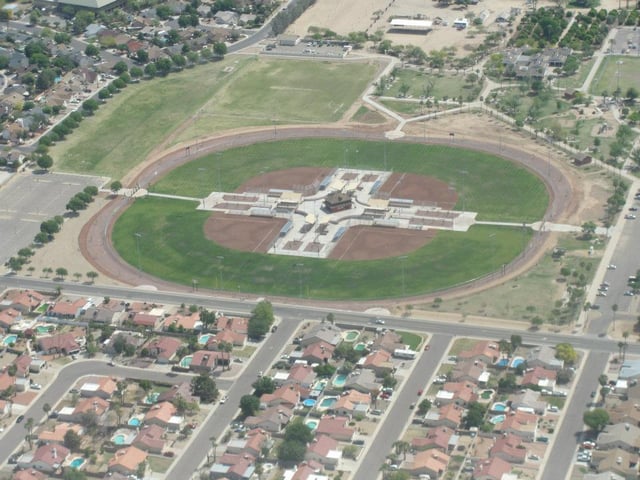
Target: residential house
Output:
{"points": [[616, 460], [184, 322], [205, 361], [491, 469], [6, 381], [301, 374], [509, 448], [630, 369], [608, 475], [150, 439], [246, 18], [430, 462], [61, 343], [22, 363], [522, 424], [460, 393], [251, 444], [182, 389], [226, 17], [106, 313], [91, 405], [273, 419], [46, 458], [134, 339], [29, 474], [304, 471], [352, 403], [227, 336], [544, 356], [449, 415], [56, 435], [8, 318], [388, 341], [528, 401], [540, 377], [324, 332], [126, 460], [324, 449], [363, 381], [233, 467], [148, 321], [318, 352], [67, 308], [621, 435], [336, 427], [444, 439], [625, 412], [286, 395], [102, 387], [378, 361], [483, 350], [24, 301], [233, 324], [163, 349], [164, 415], [470, 371]]}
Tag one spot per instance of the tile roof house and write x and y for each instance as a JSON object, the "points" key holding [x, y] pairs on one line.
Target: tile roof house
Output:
{"points": [[625, 412], [324, 332], [46, 458], [252, 443], [540, 377], [235, 467], [520, 423], [56, 435], [150, 439], [62, 343], [9, 317], [388, 341], [439, 438], [352, 403], [95, 405], [428, 462], [164, 415], [378, 361], [335, 427], [449, 415], [227, 336], [483, 350], [142, 319], [234, 324], [304, 472], [273, 419], [608, 475], [29, 474], [102, 387], [302, 375], [544, 356], [460, 393], [491, 469], [22, 363], [66, 308], [126, 460], [509, 448], [621, 435], [617, 461], [182, 389], [285, 395], [324, 449], [135, 339], [206, 361], [24, 301], [6, 381], [469, 371], [363, 381], [318, 352], [528, 400], [163, 349], [187, 322]]}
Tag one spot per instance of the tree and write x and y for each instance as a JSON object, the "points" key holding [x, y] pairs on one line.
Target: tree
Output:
{"points": [[91, 50], [77, 276], [92, 276], [44, 161], [46, 408], [142, 56], [29, 427], [75, 204], [220, 49], [208, 318], [401, 448], [424, 406], [261, 319], [475, 415], [73, 474], [516, 342], [263, 385], [115, 186], [291, 452], [249, 405], [61, 272], [588, 230], [72, 440], [566, 352], [632, 94], [50, 227], [120, 67], [596, 419], [325, 370], [204, 387]]}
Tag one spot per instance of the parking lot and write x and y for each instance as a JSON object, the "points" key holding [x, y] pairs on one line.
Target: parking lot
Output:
{"points": [[627, 40], [30, 198]]}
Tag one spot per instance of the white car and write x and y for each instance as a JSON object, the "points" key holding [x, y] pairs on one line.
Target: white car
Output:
{"points": [[223, 400], [611, 266], [379, 321], [36, 386], [630, 216]]}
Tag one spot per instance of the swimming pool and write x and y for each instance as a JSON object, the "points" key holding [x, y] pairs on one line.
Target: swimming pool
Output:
{"points": [[516, 362], [309, 402], [360, 347], [328, 402], [43, 329], [204, 339], [152, 397], [499, 407], [9, 339], [502, 363], [486, 394], [119, 439], [340, 380], [134, 422], [312, 424], [497, 419], [186, 361], [77, 462], [351, 336]]}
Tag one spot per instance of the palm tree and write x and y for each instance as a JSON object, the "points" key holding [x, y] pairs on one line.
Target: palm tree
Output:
{"points": [[625, 335], [121, 387], [29, 427], [46, 408], [92, 276], [402, 447], [214, 445]]}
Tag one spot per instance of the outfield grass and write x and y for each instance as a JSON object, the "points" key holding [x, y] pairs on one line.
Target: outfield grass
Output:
{"points": [[173, 247], [236, 92], [515, 195], [607, 76]]}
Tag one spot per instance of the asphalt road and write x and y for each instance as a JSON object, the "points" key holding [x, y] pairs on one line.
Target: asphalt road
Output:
{"points": [[29, 199], [396, 418]]}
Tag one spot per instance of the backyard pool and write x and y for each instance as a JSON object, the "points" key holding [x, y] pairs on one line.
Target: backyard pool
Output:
{"points": [[77, 462], [486, 394], [340, 380], [516, 362], [186, 361], [351, 336], [123, 437], [135, 421], [119, 439], [309, 402], [360, 347], [204, 339], [312, 424], [9, 339], [497, 419], [151, 398], [328, 402], [499, 407], [43, 329], [502, 363]]}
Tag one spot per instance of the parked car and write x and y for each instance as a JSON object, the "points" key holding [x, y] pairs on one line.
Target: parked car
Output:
{"points": [[224, 399], [20, 419], [36, 386]]}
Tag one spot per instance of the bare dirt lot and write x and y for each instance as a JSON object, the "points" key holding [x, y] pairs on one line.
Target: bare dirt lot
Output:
{"points": [[422, 189], [300, 179], [248, 234], [368, 243]]}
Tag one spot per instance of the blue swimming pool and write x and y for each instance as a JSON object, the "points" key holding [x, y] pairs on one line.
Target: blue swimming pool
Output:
{"points": [[77, 462], [328, 402], [9, 339], [203, 339], [502, 363], [309, 402], [516, 362], [312, 424], [119, 439], [151, 398], [340, 380], [134, 422], [499, 407], [186, 361], [497, 419]]}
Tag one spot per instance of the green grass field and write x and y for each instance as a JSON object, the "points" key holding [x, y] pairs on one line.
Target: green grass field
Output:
{"points": [[515, 195], [606, 79], [444, 86], [173, 247], [232, 93]]}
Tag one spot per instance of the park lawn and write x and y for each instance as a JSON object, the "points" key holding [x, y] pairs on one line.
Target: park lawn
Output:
{"points": [[577, 79], [445, 86], [277, 91], [606, 79], [368, 116], [515, 195], [129, 125], [172, 246]]}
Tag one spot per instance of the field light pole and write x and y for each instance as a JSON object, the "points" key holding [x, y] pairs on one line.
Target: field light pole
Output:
{"points": [[138, 236], [221, 259], [299, 266], [402, 259], [464, 174]]}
